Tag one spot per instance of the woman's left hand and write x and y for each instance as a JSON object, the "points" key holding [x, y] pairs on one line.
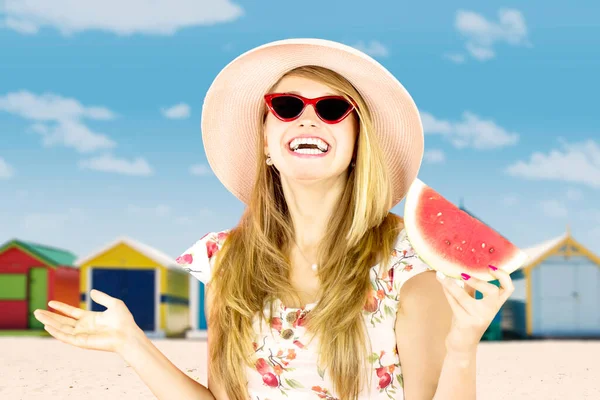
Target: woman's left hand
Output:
{"points": [[471, 317]]}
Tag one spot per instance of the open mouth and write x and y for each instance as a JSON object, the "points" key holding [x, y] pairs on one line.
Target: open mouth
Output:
{"points": [[309, 146]]}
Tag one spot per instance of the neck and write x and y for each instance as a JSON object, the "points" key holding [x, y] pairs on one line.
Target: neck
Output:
{"points": [[311, 205]]}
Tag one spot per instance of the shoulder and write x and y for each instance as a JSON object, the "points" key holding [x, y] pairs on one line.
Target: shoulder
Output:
{"points": [[198, 258], [405, 262]]}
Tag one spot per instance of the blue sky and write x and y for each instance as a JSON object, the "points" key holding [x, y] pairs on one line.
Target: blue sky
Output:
{"points": [[100, 110]]}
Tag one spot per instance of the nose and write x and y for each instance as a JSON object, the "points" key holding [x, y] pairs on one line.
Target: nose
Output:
{"points": [[309, 117]]}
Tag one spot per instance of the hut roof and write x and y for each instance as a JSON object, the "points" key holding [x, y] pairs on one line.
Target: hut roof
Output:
{"points": [[541, 249], [538, 252], [152, 253], [52, 256]]}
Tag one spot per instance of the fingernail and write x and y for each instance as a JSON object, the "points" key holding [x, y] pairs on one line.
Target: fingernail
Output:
{"points": [[493, 268], [465, 276]]}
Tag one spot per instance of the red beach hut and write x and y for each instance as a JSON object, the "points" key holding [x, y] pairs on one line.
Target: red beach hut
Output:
{"points": [[31, 275]]}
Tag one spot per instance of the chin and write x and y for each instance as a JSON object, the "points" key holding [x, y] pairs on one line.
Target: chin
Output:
{"points": [[308, 176]]}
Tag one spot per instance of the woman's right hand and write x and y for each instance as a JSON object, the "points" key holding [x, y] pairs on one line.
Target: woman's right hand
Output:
{"points": [[106, 330]]}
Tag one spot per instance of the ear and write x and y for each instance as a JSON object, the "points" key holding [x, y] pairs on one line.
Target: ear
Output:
{"points": [[266, 146]]}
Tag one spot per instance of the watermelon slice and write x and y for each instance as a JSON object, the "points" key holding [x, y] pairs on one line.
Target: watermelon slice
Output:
{"points": [[451, 241]]}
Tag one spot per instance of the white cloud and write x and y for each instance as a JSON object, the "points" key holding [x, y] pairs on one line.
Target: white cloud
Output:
{"points": [[159, 211], [593, 237], [59, 119], [21, 26], [574, 194], [109, 163], [472, 131], [510, 200], [577, 163], [72, 134], [374, 48], [480, 52], [6, 171], [43, 223], [155, 17], [434, 156], [592, 215], [50, 107], [178, 111], [165, 211], [456, 58], [200, 170], [189, 221], [554, 208], [482, 34]]}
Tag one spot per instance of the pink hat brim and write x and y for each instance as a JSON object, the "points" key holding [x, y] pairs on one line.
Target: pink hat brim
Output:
{"points": [[231, 113]]}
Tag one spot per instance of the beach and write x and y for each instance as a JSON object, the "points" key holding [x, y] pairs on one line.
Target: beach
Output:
{"points": [[36, 368]]}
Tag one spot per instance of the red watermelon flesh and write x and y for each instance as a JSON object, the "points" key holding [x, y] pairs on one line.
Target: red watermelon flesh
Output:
{"points": [[451, 241]]}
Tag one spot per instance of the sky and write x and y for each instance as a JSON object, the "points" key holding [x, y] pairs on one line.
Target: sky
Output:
{"points": [[100, 107]]}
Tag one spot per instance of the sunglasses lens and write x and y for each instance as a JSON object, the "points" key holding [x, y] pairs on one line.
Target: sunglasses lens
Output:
{"points": [[287, 106], [332, 109]]}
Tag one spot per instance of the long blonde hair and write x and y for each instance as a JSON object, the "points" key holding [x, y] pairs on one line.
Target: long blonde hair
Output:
{"points": [[253, 266]]}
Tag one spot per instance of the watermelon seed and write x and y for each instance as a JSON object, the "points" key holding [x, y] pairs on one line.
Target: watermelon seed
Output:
{"points": [[491, 249], [439, 214], [464, 241], [483, 245], [447, 242], [473, 250]]}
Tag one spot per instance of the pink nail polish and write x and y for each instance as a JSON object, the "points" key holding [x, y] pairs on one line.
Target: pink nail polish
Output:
{"points": [[493, 268], [465, 276]]}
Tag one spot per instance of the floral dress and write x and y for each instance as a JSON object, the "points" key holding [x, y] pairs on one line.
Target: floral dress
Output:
{"points": [[286, 366]]}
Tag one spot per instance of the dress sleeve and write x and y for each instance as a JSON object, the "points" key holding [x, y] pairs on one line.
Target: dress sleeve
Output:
{"points": [[406, 263], [199, 258]]}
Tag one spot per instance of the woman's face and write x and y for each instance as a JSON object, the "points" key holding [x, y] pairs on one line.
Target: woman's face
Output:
{"points": [[339, 138]]}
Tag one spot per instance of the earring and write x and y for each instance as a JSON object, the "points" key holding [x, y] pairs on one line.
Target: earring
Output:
{"points": [[353, 164], [269, 161]]}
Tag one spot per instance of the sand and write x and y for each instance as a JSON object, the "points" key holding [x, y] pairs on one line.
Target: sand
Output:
{"points": [[44, 368]]}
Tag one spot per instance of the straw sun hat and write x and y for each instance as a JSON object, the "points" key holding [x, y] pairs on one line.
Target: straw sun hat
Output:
{"points": [[231, 113]]}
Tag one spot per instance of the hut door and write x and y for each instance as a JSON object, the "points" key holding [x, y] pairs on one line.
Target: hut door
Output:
{"points": [[38, 294], [587, 296], [137, 289], [556, 284]]}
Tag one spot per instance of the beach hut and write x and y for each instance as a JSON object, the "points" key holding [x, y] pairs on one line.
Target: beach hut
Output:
{"points": [[153, 287], [560, 293], [197, 310], [31, 275]]}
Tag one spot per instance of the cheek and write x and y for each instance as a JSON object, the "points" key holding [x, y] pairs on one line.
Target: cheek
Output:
{"points": [[273, 133], [346, 137]]}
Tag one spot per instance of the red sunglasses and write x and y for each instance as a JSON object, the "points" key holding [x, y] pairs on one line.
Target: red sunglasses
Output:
{"points": [[288, 107]]}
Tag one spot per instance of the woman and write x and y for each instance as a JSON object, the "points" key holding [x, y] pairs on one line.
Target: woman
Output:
{"points": [[316, 293]]}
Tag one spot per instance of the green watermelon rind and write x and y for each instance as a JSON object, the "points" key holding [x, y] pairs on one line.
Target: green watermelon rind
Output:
{"points": [[423, 252]]}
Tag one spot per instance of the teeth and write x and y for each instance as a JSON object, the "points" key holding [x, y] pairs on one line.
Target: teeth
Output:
{"points": [[308, 151], [323, 147]]}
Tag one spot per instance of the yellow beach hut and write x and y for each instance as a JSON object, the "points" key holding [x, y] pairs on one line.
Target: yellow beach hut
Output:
{"points": [[153, 287], [560, 293]]}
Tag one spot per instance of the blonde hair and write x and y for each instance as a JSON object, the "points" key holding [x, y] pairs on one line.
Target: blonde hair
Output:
{"points": [[253, 266]]}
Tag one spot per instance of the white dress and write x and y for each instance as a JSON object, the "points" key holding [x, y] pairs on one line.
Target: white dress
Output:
{"points": [[286, 366]]}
